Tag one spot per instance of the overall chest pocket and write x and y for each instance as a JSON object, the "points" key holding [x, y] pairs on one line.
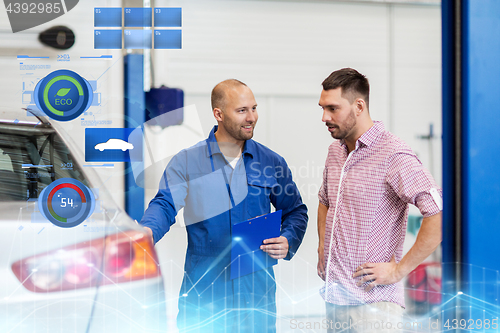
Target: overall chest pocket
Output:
{"points": [[207, 196], [259, 195]]}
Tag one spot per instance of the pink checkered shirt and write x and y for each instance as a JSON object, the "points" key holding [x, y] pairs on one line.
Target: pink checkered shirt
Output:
{"points": [[368, 193]]}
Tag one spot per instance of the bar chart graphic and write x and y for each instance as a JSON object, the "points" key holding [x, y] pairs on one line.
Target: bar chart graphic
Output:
{"points": [[138, 28]]}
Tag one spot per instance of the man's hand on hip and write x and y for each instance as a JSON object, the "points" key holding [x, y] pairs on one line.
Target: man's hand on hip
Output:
{"points": [[383, 273], [277, 248], [379, 273]]}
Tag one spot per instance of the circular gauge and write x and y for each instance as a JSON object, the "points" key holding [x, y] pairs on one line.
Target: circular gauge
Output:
{"points": [[66, 202], [63, 95]]}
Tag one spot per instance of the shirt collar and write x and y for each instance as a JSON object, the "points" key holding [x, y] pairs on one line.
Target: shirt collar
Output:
{"points": [[213, 147], [369, 137]]}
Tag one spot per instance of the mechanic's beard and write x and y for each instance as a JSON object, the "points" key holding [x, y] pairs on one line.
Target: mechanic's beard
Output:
{"points": [[341, 134], [236, 132]]}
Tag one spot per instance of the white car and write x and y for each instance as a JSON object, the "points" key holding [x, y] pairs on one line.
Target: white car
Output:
{"points": [[100, 276], [114, 144]]}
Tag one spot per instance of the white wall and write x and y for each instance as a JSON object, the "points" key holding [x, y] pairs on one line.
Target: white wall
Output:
{"points": [[283, 50]]}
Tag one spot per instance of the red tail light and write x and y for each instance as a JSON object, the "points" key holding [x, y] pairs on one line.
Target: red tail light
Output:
{"points": [[123, 257]]}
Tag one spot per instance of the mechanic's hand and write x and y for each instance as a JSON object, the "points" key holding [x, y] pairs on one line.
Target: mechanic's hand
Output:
{"points": [[150, 233], [379, 273], [321, 263], [277, 248]]}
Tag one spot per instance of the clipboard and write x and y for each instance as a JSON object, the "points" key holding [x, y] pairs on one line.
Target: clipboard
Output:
{"points": [[247, 237]]}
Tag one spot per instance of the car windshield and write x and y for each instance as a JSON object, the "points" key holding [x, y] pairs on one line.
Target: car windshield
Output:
{"points": [[30, 159]]}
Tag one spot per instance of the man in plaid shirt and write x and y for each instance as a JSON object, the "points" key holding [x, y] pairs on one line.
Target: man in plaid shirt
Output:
{"points": [[370, 178]]}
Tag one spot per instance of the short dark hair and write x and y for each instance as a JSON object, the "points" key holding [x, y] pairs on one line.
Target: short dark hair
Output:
{"points": [[353, 84], [219, 92]]}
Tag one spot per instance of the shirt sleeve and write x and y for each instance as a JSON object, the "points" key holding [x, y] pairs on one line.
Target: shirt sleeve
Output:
{"points": [[323, 190], [170, 198], [413, 183], [288, 199]]}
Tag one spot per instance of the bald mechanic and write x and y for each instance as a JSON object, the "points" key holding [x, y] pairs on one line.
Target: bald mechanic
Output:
{"points": [[370, 178], [226, 179]]}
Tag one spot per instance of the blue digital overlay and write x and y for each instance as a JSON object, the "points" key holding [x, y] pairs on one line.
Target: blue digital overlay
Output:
{"points": [[138, 39], [66, 202], [138, 17], [107, 39], [168, 39], [168, 17], [63, 95], [108, 17], [113, 144]]}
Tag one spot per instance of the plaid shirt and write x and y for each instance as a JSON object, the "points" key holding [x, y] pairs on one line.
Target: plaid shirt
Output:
{"points": [[367, 193]]}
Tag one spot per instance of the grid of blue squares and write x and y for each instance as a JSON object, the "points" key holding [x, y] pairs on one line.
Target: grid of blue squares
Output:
{"points": [[138, 17]]}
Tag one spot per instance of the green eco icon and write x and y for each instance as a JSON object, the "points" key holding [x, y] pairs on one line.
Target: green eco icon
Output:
{"points": [[63, 92]]}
